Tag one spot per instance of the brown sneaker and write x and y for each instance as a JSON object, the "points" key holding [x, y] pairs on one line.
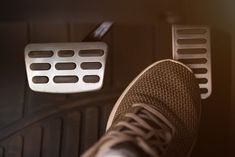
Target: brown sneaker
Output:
{"points": [[159, 112]]}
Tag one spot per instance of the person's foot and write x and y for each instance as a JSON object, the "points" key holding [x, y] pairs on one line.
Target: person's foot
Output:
{"points": [[158, 113]]}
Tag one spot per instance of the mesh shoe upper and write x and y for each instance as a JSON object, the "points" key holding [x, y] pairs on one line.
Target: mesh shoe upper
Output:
{"points": [[168, 92], [173, 90], [173, 86]]}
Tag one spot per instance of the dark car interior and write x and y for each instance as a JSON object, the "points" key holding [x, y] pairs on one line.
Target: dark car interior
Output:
{"points": [[39, 124]]}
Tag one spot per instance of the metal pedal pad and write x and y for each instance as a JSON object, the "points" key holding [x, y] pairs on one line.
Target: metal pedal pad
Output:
{"points": [[191, 46], [65, 67]]}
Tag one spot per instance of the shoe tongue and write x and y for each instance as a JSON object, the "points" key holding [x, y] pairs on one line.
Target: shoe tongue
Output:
{"points": [[123, 149], [129, 149]]}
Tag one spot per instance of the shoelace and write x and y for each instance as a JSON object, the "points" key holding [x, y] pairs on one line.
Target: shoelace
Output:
{"points": [[142, 127]]}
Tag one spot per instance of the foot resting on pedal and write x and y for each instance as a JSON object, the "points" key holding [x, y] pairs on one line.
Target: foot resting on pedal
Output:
{"points": [[157, 115]]}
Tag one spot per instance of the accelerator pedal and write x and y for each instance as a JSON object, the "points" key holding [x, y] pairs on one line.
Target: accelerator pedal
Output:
{"points": [[191, 46]]}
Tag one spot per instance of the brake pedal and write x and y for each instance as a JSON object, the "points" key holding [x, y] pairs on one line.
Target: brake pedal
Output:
{"points": [[191, 46], [65, 67]]}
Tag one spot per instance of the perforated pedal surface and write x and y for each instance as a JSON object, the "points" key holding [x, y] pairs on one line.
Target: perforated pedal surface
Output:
{"points": [[191, 46], [65, 67]]}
